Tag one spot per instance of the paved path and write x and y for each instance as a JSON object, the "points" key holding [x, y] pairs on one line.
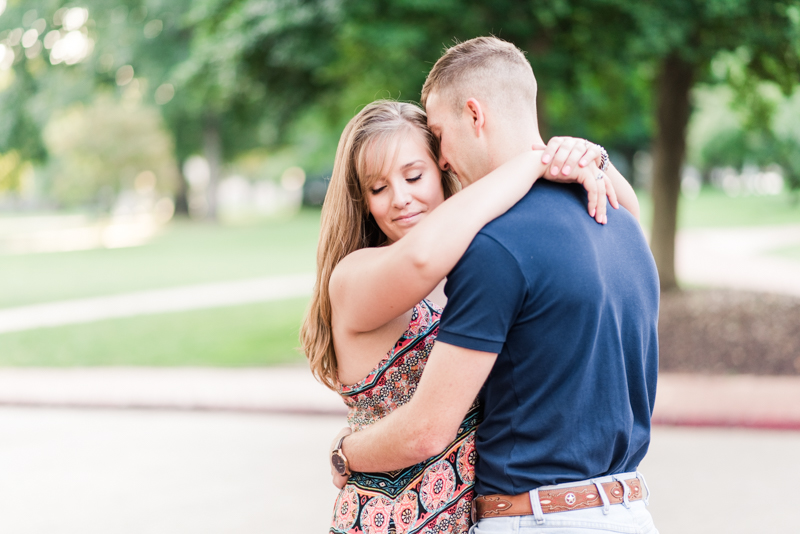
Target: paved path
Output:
{"points": [[134, 472], [683, 399], [739, 258], [156, 301], [736, 258]]}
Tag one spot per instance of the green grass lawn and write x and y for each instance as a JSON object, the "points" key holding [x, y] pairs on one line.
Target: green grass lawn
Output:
{"points": [[185, 253], [713, 208], [250, 335]]}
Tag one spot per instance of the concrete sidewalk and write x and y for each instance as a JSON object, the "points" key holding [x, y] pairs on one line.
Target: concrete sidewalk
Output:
{"points": [[739, 258], [766, 402], [174, 472]]}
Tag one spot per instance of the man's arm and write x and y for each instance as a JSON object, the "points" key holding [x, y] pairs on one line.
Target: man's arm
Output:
{"points": [[430, 420], [485, 291]]}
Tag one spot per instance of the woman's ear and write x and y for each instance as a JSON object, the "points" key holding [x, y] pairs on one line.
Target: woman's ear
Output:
{"points": [[474, 111]]}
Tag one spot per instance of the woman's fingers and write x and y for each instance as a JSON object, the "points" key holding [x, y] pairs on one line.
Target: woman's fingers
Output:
{"points": [[577, 155], [594, 182], [560, 158], [586, 179], [590, 155], [611, 193], [549, 149], [565, 154], [602, 204]]}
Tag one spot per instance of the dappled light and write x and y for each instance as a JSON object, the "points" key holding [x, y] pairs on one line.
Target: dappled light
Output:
{"points": [[71, 48], [164, 93], [72, 18], [751, 181], [6, 56], [124, 75]]}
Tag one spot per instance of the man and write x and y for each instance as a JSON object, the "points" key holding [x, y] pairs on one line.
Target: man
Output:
{"points": [[554, 313]]}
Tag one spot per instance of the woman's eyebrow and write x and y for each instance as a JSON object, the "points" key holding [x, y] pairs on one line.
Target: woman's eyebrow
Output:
{"points": [[411, 164]]}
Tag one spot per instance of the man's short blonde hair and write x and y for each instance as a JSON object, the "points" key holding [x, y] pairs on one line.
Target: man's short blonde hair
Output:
{"points": [[484, 67]]}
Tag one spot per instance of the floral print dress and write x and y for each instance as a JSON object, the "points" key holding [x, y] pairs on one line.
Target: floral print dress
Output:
{"points": [[434, 496]]}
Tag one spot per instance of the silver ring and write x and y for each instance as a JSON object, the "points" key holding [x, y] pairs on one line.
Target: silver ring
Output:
{"points": [[600, 176]]}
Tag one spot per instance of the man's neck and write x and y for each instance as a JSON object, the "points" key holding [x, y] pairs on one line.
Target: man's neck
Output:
{"points": [[512, 142]]}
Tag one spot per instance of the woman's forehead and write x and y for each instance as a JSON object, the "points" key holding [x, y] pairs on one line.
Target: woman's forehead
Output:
{"points": [[398, 152]]}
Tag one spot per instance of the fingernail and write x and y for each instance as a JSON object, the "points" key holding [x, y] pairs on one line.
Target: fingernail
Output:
{"points": [[583, 163], [553, 170], [566, 169], [546, 158]]}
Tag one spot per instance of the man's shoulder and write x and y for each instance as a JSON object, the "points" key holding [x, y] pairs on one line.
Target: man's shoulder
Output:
{"points": [[545, 204]]}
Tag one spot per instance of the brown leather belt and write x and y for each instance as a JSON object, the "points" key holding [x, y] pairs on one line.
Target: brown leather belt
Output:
{"points": [[554, 500]]}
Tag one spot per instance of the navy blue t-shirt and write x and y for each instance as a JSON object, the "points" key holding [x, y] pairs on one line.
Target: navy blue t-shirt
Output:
{"points": [[571, 308]]}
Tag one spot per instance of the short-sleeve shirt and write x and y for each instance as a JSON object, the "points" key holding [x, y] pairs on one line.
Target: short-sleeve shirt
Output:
{"points": [[571, 308]]}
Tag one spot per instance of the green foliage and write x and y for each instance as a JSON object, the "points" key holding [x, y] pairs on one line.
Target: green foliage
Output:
{"points": [[12, 171], [723, 132], [254, 70], [98, 151]]}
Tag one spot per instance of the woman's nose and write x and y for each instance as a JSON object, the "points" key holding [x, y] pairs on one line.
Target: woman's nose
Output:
{"points": [[401, 198]]}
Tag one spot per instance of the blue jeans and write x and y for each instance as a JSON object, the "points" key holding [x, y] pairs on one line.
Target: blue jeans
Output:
{"points": [[633, 520]]}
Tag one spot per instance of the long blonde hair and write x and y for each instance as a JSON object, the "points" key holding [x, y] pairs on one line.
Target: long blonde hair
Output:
{"points": [[346, 224]]}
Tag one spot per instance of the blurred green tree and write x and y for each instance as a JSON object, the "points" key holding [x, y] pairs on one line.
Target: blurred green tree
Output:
{"points": [[603, 65], [679, 40], [231, 75], [89, 164], [153, 52]]}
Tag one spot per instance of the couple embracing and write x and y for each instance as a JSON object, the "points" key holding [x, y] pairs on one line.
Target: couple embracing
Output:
{"points": [[458, 225]]}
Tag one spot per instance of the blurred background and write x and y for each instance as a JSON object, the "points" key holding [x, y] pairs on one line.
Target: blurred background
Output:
{"points": [[163, 163]]}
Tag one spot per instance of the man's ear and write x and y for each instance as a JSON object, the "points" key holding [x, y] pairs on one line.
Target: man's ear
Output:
{"points": [[474, 110]]}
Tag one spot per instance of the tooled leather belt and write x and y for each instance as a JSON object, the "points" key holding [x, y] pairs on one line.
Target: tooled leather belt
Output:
{"points": [[554, 500]]}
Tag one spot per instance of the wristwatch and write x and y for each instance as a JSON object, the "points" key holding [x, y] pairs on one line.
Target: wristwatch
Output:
{"points": [[603, 158], [339, 461]]}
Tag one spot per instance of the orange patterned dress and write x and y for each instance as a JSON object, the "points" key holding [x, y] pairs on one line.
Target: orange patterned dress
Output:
{"points": [[434, 496]]}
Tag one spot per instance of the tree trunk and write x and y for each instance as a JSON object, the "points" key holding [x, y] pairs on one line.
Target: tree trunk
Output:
{"points": [[212, 151], [674, 82], [182, 194]]}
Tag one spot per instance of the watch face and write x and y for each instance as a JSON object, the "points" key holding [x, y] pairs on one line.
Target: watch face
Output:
{"points": [[339, 463]]}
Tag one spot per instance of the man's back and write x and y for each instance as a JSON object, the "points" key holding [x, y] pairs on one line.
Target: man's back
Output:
{"points": [[571, 308]]}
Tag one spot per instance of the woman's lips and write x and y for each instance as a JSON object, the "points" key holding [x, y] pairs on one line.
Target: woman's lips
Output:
{"points": [[411, 217]]}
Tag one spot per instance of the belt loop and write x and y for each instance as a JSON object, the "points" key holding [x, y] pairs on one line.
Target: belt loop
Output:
{"points": [[603, 496], [625, 491], [646, 488], [536, 506]]}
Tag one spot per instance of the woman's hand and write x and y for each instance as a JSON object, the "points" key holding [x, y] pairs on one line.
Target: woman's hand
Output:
{"points": [[566, 153], [577, 160], [338, 480]]}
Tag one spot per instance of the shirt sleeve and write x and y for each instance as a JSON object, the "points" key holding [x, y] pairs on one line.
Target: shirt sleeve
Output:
{"points": [[485, 292]]}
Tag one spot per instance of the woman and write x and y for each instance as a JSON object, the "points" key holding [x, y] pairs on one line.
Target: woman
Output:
{"points": [[382, 257]]}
